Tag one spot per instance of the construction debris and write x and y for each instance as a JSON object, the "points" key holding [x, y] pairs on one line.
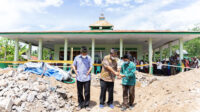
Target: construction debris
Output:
{"points": [[144, 79], [45, 69], [25, 92]]}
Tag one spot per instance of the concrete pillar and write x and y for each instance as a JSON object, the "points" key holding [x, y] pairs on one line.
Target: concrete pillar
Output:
{"points": [[93, 52], [161, 53], [150, 56], [121, 47], [170, 49], [40, 49], [66, 49], [65, 53], [56, 52], [16, 58], [181, 49], [71, 54], [29, 50]]}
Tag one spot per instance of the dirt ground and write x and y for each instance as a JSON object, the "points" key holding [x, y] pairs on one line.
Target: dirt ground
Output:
{"points": [[179, 93]]}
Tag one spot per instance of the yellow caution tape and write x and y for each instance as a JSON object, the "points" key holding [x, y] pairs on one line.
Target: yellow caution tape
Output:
{"points": [[14, 62], [53, 61], [46, 61]]}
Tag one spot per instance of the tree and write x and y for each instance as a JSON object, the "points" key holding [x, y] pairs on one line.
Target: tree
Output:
{"points": [[8, 48]]}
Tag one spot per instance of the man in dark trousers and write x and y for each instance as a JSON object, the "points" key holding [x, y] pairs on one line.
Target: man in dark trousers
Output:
{"points": [[109, 71], [127, 73], [82, 66]]}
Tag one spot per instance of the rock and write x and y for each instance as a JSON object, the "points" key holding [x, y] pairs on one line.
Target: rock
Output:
{"points": [[24, 92], [24, 97], [3, 83], [23, 77], [31, 96], [17, 102], [25, 88], [39, 97], [40, 88], [10, 73], [69, 95], [60, 90], [6, 104]]}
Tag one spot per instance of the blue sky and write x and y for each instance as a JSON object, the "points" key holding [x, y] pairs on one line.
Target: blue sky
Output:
{"points": [[64, 15]]}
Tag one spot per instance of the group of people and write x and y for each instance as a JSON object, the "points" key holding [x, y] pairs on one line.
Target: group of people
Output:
{"points": [[168, 67], [112, 67], [124, 69], [174, 66]]}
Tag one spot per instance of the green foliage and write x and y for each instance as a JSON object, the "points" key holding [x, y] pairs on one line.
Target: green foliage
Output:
{"points": [[46, 54], [7, 49], [191, 46]]}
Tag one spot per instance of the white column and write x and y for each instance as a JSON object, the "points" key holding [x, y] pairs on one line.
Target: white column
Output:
{"points": [[181, 49], [161, 53], [93, 50], [66, 49], [40, 50], [72, 51], [16, 58], [56, 52], [29, 50], [121, 47], [170, 49], [150, 56]]}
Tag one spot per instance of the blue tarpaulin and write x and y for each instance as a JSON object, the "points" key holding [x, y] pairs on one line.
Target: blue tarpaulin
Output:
{"points": [[46, 70]]}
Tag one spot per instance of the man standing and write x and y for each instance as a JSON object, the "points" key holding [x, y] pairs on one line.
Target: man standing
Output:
{"points": [[128, 83], [82, 66], [109, 71], [159, 67]]}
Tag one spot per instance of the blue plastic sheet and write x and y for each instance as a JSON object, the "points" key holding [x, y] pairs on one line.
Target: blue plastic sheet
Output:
{"points": [[46, 70]]}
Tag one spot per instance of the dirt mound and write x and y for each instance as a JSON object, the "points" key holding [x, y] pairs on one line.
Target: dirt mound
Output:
{"points": [[179, 93]]}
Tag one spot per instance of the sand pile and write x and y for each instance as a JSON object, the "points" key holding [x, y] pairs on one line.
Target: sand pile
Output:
{"points": [[179, 93], [26, 92]]}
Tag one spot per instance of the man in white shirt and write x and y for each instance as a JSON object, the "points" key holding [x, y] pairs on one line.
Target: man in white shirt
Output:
{"points": [[159, 67]]}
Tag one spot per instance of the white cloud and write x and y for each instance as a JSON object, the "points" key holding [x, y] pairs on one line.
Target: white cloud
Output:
{"points": [[98, 2], [86, 2], [12, 12], [108, 3], [111, 2], [150, 16], [139, 1], [114, 9]]}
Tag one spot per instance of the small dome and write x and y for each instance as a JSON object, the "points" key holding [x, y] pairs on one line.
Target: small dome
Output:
{"points": [[102, 24]]}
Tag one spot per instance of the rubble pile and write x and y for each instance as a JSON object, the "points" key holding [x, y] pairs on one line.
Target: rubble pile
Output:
{"points": [[144, 79], [25, 92]]}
